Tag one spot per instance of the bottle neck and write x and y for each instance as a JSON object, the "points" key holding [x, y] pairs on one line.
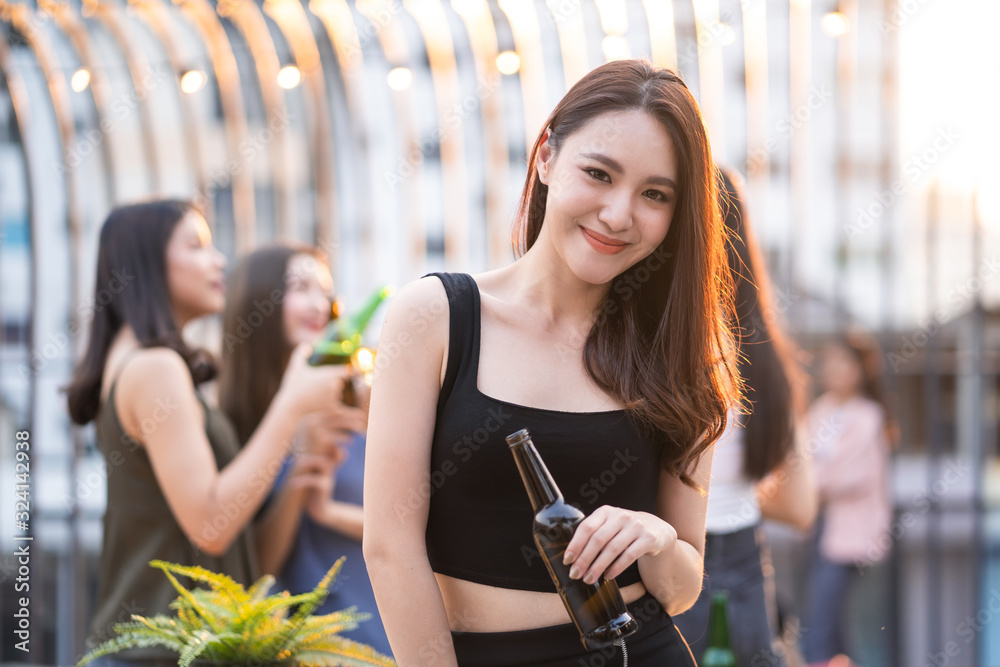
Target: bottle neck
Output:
{"points": [[542, 489], [718, 627]]}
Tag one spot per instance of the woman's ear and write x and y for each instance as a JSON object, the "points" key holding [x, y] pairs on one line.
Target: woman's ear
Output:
{"points": [[544, 157]]}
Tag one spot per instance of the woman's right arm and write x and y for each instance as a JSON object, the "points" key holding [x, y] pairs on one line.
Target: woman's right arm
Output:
{"points": [[157, 399], [408, 364], [788, 494]]}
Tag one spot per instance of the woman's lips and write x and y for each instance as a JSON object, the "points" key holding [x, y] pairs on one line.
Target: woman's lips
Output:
{"points": [[603, 244]]}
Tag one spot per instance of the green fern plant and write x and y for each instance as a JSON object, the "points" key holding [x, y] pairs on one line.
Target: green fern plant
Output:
{"points": [[228, 623]]}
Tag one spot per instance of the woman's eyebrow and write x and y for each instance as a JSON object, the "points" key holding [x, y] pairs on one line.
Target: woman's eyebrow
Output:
{"points": [[614, 166]]}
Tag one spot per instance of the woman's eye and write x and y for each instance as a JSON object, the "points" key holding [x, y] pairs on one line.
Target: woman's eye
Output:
{"points": [[598, 174], [656, 195]]}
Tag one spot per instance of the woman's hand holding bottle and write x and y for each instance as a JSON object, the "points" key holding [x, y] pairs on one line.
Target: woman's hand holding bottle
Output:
{"points": [[305, 388], [612, 538]]}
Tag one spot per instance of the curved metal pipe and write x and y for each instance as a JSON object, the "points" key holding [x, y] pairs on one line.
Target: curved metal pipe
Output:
{"points": [[572, 39], [662, 33], [483, 38], [710, 79], [227, 75], [395, 46], [156, 17], [109, 15], [28, 25], [69, 22], [433, 24], [524, 26], [291, 19], [250, 22]]}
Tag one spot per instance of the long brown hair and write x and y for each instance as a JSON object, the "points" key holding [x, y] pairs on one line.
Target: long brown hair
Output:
{"points": [[132, 289], [660, 342], [255, 349], [774, 383]]}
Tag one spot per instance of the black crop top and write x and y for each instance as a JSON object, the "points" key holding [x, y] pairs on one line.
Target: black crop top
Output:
{"points": [[479, 523]]}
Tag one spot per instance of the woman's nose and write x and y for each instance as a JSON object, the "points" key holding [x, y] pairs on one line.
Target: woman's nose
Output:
{"points": [[617, 211]]}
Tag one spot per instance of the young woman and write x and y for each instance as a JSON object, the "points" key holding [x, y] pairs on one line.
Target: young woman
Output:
{"points": [[852, 437], [607, 339], [179, 488], [281, 297], [762, 467]]}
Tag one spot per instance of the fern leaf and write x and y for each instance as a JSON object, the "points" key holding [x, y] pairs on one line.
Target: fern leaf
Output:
{"points": [[128, 640], [260, 588], [318, 594], [195, 604], [341, 652], [219, 582]]}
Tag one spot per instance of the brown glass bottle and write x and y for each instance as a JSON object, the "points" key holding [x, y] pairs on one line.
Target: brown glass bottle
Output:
{"points": [[597, 610]]}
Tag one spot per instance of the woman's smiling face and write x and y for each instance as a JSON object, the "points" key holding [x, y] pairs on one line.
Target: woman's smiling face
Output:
{"points": [[612, 188]]}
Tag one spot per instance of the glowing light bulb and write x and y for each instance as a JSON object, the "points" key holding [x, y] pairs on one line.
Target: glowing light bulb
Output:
{"points": [[80, 80], [836, 24], [508, 62], [399, 78], [289, 77], [193, 80]]}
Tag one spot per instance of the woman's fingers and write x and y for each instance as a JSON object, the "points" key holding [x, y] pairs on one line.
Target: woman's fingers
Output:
{"points": [[610, 540]]}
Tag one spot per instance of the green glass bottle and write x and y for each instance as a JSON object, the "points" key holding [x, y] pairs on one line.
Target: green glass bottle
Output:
{"points": [[341, 338], [597, 610], [718, 653]]}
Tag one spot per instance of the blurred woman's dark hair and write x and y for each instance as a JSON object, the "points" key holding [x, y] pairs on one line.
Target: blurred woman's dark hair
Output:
{"points": [[774, 382], [866, 351], [255, 349], [132, 289]]}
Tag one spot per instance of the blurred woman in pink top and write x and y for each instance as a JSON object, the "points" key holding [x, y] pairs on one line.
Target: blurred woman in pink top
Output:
{"points": [[850, 440]]}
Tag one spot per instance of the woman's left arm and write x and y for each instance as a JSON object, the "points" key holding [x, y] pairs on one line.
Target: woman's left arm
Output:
{"points": [[669, 545]]}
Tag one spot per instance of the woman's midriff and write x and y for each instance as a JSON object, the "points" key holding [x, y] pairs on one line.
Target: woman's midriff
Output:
{"points": [[476, 607]]}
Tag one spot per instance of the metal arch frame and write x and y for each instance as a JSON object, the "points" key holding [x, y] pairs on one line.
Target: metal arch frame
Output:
{"points": [[756, 84], [69, 23], [572, 42], [479, 23], [17, 15], [396, 49], [110, 17], [662, 44], [227, 76], [291, 19], [710, 78], [249, 21], [532, 73], [444, 76], [341, 30], [157, 19]]}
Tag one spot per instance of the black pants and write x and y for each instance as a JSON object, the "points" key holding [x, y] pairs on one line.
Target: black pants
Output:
{"points": [[656, 644]]}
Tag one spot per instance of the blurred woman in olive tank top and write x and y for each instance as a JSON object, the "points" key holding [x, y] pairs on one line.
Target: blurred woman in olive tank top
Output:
{"points": [[179, 487]]}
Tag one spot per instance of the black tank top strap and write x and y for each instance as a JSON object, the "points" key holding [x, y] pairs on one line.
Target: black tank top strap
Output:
{"points": [[463, 334]]}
